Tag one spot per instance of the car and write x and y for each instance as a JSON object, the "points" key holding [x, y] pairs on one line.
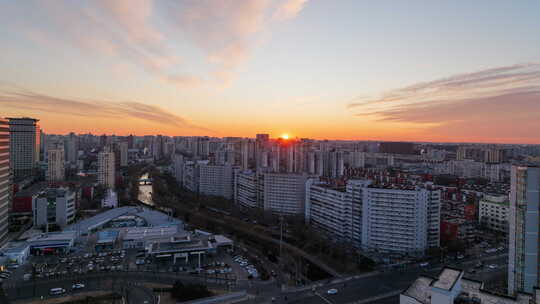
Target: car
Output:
{"points": [[492, 266], [78, 286], [460, 257], [332, 291], [424, 264]]}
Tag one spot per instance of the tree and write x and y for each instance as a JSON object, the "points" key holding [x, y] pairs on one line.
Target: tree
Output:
{"points": [[187, 292]]}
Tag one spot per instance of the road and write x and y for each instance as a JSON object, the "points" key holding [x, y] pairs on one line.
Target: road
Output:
{"points": [[104, 281], [381, 288]]}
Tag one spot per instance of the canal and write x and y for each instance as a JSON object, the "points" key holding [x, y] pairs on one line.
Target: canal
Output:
{"points": [[145, 190]]}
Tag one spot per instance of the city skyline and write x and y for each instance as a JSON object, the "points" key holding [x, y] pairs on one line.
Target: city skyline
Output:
{"points": [[416, 71]]}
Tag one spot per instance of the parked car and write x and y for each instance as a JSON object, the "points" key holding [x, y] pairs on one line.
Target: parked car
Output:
{"points": [[332, 291]]}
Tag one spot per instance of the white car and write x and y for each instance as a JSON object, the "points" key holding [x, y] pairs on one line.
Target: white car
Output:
{"points": [[332, 291], [77, 286], [424, 264], [492, 266]]}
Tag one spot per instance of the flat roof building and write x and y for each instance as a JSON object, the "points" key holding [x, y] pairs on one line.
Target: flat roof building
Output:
{"points": [[450, 286]]}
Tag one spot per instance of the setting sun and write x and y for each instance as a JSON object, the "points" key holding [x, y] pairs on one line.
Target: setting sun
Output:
{"points": [[285, 136]]}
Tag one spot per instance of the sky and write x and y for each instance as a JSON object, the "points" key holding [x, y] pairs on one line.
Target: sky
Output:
{"points": [[417, 70]]}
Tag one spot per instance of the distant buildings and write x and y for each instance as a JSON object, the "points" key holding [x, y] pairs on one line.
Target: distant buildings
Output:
{"points": [[5, 180], [55, 162], [106, 168], [71, 148], [123, 147], [524, 223], [24, 146], [54, 206]]}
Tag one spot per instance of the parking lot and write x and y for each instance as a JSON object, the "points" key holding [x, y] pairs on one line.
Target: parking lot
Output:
{"points": [[43, 267]]}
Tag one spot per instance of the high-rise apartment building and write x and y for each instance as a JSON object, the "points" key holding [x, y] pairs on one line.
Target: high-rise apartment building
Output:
{"points": [[247, 192], [72, 148], [55, 164], [106, 168], [123, 147], [284, 193], [5, 179], [400, 219], [178, 165], [217, 180], [24, 146], [336, 210], [523, 230]]}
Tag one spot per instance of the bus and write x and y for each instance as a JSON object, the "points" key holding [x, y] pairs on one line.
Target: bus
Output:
{"points": [[57, 291]]}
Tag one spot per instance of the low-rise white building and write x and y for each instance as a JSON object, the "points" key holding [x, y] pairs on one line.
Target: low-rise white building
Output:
{"points": [[451, 287], [493, 212], [54, 206]]}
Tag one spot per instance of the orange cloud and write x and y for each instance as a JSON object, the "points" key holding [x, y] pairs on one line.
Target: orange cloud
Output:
{"points": [[23, 100], [289, 9], [499, 104]]}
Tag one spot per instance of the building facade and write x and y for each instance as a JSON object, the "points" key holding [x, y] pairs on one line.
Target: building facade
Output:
{"points": [[401, 219], [329, 209], [493, 212], [246, 189], [523, 229], [217, 180], [284, 193], [24, 146], [123, 147], [55, 165], [54, 206], [106, 168], [5, 180]]}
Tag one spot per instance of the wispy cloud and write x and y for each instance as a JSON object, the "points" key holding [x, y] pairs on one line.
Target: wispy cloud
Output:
{"points": [[497, 103], [290, 8], [147, 33], [21, 99]]}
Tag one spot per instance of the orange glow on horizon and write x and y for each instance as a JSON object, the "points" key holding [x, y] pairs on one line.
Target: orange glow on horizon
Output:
{"points": [[285, 136]]}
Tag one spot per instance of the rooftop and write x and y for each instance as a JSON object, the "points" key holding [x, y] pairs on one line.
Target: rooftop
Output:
{"points": [[151, 217], [147, 232], [420, 289], [32, 190], [53, 236], [447, 278]]}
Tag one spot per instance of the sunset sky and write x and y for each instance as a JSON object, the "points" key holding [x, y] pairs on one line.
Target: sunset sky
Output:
{"points": [[338, 69]]}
